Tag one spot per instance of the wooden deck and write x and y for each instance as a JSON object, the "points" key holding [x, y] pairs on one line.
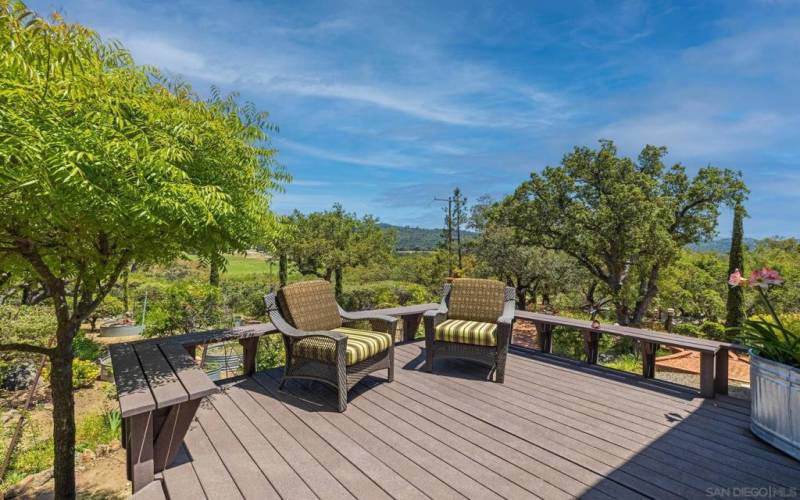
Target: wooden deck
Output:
{"points": [[555, 429]]}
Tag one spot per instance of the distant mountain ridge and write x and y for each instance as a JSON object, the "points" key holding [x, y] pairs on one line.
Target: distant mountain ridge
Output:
{"points": [[422, 239], [721, 245]]}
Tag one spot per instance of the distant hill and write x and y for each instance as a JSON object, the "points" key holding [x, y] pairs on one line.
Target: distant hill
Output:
{"points": [[721, 245], [421, 239]]}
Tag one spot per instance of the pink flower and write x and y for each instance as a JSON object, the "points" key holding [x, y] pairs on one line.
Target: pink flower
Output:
{"points": [[765, 278], [735, 279]]}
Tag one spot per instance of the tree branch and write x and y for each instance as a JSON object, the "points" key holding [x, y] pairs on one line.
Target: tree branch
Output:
{"points": [[23, 347]]}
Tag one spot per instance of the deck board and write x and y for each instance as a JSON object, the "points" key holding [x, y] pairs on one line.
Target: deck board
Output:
{"points": [[555, 429]]}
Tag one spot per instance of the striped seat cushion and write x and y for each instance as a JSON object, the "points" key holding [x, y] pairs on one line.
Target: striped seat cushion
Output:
{"points": [[361, 345], [467, 332]]}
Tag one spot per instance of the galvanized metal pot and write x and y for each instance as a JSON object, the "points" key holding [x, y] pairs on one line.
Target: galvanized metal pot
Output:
{"points": [[775, 407]]}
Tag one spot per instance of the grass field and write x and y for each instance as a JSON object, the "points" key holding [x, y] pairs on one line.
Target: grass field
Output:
{"points": [[239, 265]]}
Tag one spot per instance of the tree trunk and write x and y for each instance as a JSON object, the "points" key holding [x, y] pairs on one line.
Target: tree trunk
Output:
{"points": [[646, 299], [283, 269], [339, 286], [213, 273], [522, 298], [63, 412]]}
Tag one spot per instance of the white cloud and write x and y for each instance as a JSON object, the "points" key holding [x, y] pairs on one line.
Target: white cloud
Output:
{"points": [[383, 160]]}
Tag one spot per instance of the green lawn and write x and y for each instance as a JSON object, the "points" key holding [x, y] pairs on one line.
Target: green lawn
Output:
{"points": [[239, 265]]}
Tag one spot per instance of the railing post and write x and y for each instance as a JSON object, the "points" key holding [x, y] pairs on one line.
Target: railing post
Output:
{"points": [[591, 342], [649, 350], [721, 371], [249, 351]]}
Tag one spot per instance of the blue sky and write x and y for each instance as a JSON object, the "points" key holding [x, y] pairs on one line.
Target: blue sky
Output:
{"points": [[384, 105]]}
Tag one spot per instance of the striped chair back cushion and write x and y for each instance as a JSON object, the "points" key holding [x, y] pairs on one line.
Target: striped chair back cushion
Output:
{"points": [[476, 300], [310, 306]]}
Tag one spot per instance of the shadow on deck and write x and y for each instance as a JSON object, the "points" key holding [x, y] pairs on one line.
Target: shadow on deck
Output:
{"points": [[555, 429]]}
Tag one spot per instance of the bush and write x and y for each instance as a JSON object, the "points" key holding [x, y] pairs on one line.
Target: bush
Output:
{"points": [[31, 324], [689, 329], [384, 294], [84, 373], [246, 296], [85, 348], [183, 307], [270, 352]]}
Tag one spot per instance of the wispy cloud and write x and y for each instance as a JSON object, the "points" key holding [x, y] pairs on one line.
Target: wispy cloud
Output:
{"points": [[367, 160]]}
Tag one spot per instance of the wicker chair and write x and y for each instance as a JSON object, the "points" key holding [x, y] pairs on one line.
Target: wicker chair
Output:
{"points": [[474, 322], [320, 347]]}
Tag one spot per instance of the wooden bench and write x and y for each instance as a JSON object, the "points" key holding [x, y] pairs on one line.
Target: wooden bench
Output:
{"points": [[713, 355], [159, 387]]}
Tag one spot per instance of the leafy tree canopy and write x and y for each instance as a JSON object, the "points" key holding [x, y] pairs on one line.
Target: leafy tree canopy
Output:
{"points": [[623, 220], [104, 163]]}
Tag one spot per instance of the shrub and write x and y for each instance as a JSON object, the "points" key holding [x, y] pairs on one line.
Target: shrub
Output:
{"points": [[84, 373], [184, 307], [86, 348], [246, 296], [270, 352], [384, 294], [31, 324], [689, 329]]}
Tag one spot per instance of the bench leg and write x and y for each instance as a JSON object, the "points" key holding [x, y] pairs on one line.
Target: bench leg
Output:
{"points": [[139, 429], [249, 351], [172, 433], [410, 326], [649, 350], [591, 342], [721, 372], [707, 374]]}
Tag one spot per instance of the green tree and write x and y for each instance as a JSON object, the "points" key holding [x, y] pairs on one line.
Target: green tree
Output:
{"points": [[530, 270], [325, 243], [104, 163], [735, 304], [624, 221]]}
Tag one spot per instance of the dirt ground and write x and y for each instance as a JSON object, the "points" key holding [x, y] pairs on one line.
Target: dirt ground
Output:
{"points": [[101, 478], [100, 474]]}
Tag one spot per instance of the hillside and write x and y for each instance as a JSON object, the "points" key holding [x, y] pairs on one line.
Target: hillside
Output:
{"points": [[721, 245], [421, 239]]}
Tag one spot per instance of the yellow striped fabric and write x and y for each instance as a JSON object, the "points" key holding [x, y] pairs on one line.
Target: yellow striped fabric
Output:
{"points": [[361, 344], [467, 332]]}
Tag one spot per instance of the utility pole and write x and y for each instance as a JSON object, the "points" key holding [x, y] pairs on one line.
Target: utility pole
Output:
{"points": [[449, 201]]}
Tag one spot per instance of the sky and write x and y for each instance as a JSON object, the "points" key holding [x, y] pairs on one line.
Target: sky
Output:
{"points": [[383, 106]]}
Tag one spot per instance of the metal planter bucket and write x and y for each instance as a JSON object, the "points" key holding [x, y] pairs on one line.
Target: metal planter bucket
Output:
{"points": [[775, 410]]}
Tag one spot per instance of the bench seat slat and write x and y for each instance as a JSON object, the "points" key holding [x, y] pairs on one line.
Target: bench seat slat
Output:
{"points": [[194, 380], [166, 388], [669, 339], [132, 389]]}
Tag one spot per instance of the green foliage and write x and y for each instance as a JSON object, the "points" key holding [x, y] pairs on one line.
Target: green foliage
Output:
{"points": [[695, 285], [109, 308], [183, 307], [736, 315], [104, 163], [85, 348], [779, 343], [113, 421], [624, 221], [246, 296], [384, 294], [84, 373], [324, 242], [426, 269], [270, 352], [626, 363], [30, 324]]}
